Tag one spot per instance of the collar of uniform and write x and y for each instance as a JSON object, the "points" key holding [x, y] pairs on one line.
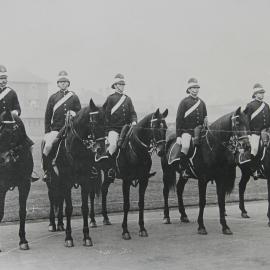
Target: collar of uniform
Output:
{"points": [[64, 91], [2, 89], [260, 101]]}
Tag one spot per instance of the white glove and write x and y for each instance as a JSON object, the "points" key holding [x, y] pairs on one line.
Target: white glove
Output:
{"points": [[72, 113], [178, 140], [133, 123], [15, 112]]}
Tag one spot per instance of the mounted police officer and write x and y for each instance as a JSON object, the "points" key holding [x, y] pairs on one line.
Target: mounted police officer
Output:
{"points": [[119, 111], [58, 105], [191, 114], [9, 101], [259, 116]]}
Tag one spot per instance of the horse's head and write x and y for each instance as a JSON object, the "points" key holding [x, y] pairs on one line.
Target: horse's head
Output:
{"points": [[89, 124], [240, 128], [9, 137], [159, 127]]}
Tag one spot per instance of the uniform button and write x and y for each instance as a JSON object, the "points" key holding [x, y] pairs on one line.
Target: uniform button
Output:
{"points": [[4, 101]]}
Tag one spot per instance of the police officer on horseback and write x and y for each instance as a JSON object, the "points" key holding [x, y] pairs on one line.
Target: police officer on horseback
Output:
{"points": [[9, 101], [59, 104], [259, 116], [119, 113], [191, 114]]}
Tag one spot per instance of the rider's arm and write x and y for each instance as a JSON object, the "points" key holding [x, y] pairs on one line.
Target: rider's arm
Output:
{"points": [[48, 115], [15, 104], [133, 114], [180, 118], [76, 104]]}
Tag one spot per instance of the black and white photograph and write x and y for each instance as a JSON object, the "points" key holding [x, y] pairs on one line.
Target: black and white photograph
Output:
{"points": [[134, 134]]}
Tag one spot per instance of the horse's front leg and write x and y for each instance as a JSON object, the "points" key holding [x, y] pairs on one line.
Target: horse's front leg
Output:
{"points": [[3, 193], [242, 187], [180, 189], [268, 212], [221, 203], [60, 223], [24, 189], [68, 210], [126, 206], [93, 223], [104, 192], [143, 183], [85, 212], [202, 184]]}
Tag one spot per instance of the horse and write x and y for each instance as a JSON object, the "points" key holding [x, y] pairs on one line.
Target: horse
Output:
{"points": [[74, 166], [261, 162], [214, 160], [16, 166], [134, 162]]}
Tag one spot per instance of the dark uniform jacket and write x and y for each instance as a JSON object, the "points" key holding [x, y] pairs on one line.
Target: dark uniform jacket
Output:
{"points": [[10, 101], [125, 114], [55, 121], [262, 120], [194, 119]]}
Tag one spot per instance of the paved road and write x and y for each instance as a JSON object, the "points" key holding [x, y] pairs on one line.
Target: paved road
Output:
{"points": [[175, 246]]}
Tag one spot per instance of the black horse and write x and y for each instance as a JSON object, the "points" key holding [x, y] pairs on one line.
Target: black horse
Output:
{"points": [[74, 166], [215, 159], [16, 166], [261, 162], [134, 162]]}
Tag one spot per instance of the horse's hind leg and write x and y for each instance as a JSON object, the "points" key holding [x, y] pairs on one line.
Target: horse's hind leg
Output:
{"points": [[142, 188], [85, 212], [180, 189], [242, 187], [68, 210], [221, 203], [24, 189], [126, 206], [202, 201], [104, 192], [52, 225], [93, 223], [2, 203]]}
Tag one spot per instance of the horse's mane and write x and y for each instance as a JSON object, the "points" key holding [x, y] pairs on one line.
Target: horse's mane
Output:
{"points": [[145, 120]]}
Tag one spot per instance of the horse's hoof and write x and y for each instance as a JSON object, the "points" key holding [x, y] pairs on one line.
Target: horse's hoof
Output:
{"points": [[51, 228], [24, 246], [202, 231], [166, 220], [69, 243], [126, 236], [227, 231], [143, 233], [184, 219], [93, 224], [87, 242], [245, 215], [106, 221], [60, 228]]}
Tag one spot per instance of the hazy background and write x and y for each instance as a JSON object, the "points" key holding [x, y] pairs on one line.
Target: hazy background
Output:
{"points": [[158, 45]]}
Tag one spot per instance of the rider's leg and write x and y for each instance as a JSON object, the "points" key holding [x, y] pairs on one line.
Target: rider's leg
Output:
{"points": [[185, 139], [113, 137]]}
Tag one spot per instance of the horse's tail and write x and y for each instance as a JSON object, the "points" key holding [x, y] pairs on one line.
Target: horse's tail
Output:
{"points": [[229, 181], [169, 174]]}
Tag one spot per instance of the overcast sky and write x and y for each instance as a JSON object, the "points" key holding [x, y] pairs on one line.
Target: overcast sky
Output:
{"points": [[158, 45]]}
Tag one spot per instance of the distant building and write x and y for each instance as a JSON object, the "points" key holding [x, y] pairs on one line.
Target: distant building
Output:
{"points": [[32, 92]]}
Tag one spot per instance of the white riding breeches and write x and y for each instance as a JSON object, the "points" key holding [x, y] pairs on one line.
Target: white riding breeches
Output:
{"points": [[113, 137], [254, 143], [185, 140], [49, 138]]}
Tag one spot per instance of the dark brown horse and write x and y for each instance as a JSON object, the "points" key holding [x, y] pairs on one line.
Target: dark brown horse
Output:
{"points": [[214, 160], [262, 162], [16, 166], [74, 161]]}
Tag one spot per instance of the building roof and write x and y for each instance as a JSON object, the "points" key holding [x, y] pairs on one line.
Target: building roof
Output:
{"points": [[24, 76]]}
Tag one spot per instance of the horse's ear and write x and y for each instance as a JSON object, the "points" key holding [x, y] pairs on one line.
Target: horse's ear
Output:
{"points": [[165, 113], [238, 111], [92, 105], [157, 113]]}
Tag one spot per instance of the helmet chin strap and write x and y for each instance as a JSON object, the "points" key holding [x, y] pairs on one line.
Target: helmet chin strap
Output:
{"points": [[118, 90]]}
